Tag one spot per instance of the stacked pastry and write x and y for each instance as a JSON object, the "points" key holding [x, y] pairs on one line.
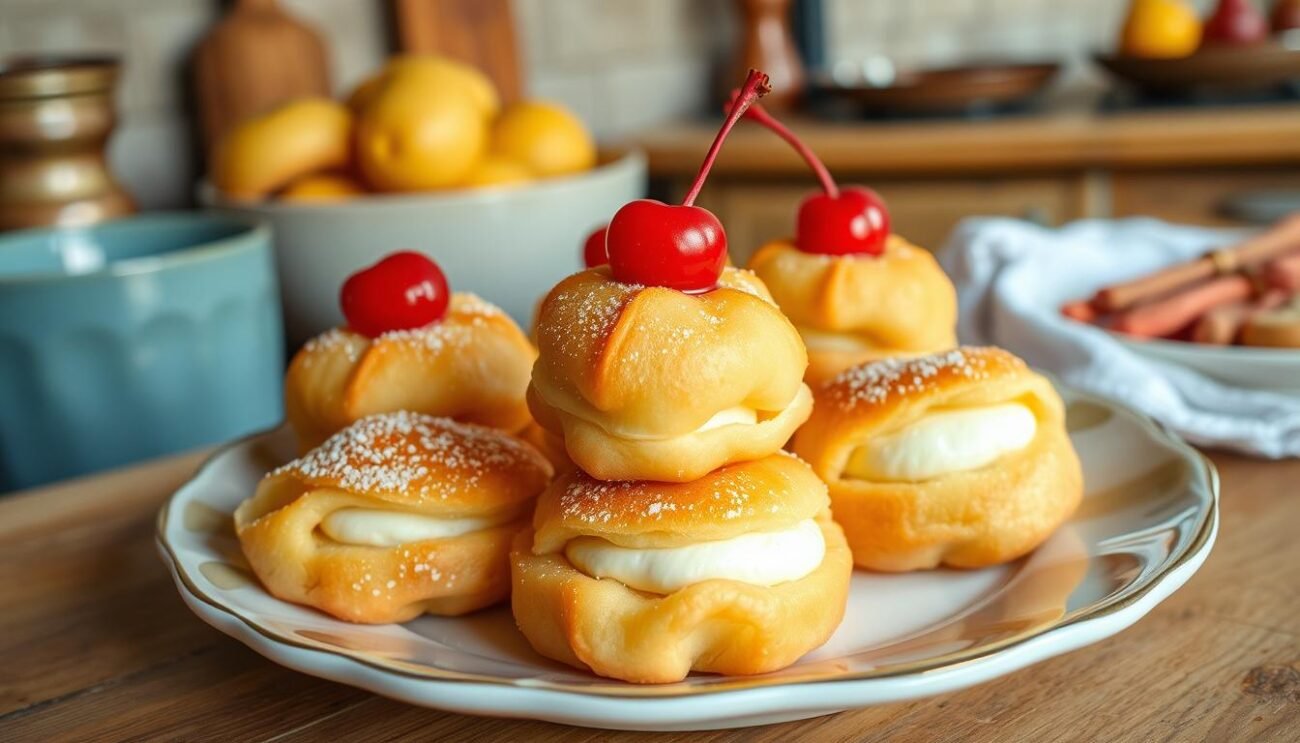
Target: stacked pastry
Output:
{"points": [[395, 509], [686, 539]]}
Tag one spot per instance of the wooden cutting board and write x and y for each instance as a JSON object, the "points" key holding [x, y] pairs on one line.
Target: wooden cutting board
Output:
{"points": [[256, 57], [479, 32]]}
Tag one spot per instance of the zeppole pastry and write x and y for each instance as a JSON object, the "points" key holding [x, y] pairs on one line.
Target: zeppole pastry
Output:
{"points": [[651, 383], [468, 360], [854, 291], [739, 572], [855, 308], [959, 458], [396, 515]]}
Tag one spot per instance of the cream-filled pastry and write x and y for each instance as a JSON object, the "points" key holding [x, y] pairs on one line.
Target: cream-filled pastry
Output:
{"points": [[741, 571], [959, 458], [396, 515], [651, 383], [471, 364], [760, 558], [855, 308], [944, 442]]}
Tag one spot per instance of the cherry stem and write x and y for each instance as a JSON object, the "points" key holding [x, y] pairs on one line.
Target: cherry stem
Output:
{"points": [[755, 87], [760, 114]]}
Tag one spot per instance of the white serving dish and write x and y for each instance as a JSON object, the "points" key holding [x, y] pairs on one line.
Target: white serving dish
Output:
{"points": [[1273, 369], [510, 245], [1146, 524]]}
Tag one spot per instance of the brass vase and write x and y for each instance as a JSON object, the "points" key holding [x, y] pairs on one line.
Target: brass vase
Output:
{"points": [[55, 119]]}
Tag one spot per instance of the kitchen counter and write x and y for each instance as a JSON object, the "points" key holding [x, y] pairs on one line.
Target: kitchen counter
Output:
{"points": [[97, 645], [1195, 165], [1069, 139]]}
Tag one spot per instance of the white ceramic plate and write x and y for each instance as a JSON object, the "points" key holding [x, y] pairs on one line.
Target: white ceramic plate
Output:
{"points": [[1273, 369], [1146, 525]]}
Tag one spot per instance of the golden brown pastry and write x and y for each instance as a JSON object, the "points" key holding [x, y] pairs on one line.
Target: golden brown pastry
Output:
{"points": [[959, 458], [397, 515], [471, 365], [649, 383], [739, 572], [855, 308]]}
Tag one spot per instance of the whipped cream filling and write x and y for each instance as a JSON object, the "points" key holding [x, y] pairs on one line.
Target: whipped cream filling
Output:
{"points": [[944, 442], [761, 558], [374, 527], [832, 342], [730, 416]]}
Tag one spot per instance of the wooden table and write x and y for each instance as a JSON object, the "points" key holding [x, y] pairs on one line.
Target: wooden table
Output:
{"points": [[96, 644]]}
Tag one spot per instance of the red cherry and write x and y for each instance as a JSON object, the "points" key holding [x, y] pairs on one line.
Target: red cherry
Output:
{"points": [[680, 247], [855, 222], [403, 291], [593, 251], [851, 221]]}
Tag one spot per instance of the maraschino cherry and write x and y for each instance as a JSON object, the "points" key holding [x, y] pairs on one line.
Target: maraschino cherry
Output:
{"points": [[679, 247], [838, 221], [404, 290], [593, 251]]}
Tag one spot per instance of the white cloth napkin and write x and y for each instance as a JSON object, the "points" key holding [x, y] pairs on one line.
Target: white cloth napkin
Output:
{"points": [[1012, 278]]}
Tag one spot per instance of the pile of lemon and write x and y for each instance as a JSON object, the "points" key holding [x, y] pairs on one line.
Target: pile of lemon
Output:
{"points": [[422, 123]]}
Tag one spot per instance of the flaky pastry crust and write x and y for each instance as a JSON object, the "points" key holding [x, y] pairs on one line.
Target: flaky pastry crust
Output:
{"points": [[765, 494], [899, 303], [964, 519], [403, 463], [627, 375], [472, 365], [716, 626]]}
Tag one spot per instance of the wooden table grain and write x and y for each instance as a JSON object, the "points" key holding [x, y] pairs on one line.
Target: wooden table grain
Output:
{"points": [[96, 645]]}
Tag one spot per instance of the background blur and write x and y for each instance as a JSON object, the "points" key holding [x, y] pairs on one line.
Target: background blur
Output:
{"points": [[623, 65]]}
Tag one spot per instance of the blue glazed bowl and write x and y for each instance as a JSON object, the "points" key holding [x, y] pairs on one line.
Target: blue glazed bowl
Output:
{"points": [[133, 339]]}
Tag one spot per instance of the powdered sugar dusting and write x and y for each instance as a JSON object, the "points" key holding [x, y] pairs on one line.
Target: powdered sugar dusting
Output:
{"points": [[331, 340], [413, 454], [876, 382], [584, 315], [455, 331], [731, 495]]}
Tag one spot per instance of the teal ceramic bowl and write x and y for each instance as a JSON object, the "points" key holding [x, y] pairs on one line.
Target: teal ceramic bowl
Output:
{"points": [[134, 339]]}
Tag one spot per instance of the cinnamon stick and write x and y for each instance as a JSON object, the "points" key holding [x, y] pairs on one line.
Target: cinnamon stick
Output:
{"points": [[1164, 316], [1279, 239]]}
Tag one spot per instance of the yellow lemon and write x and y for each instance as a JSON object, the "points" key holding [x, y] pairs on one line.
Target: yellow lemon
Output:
{"points": [[321, 187], [266, 152], [436, 74], [1163, 29], [545, 137], [410, 139], [495, 170]]}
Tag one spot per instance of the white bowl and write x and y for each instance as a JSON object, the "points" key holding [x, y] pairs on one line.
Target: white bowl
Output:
{"points": [[509, 245], [1272, 369]]}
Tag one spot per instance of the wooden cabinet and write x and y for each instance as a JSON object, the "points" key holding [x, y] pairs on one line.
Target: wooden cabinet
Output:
{"points": [[1210, 197]]}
